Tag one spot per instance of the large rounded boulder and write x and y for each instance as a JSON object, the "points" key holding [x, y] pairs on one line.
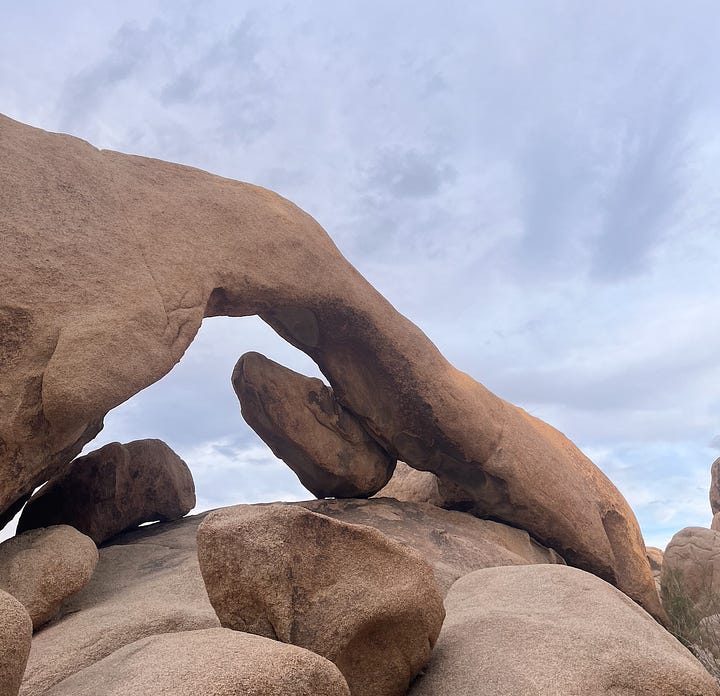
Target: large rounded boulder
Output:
{"points": [[114, 488], [212, 662], [41, 568], [15, 637], [344, 591], [550, 629]]}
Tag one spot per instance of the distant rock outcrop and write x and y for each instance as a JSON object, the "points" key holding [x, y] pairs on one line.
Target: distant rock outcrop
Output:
{"points": [[15, 637], [714, 493], [210, 661], [109, 264], [655, 558], [346, 592], [302, 423], [43, 567], [548, 629], [113, 489]]}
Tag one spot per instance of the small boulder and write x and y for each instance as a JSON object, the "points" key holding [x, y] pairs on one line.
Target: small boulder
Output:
{"points": [[305, 426], [15, 637], [212, 661], [415, 486], [114, 488], [43, 567], [655, 559], [344, 591], [550, 629]]}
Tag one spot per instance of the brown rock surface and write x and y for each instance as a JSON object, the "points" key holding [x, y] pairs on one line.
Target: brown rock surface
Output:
{"points": [[147, 582], [691, 564], [211, 662], [303, 424], [346, 592], [554, 630], [655, 559], [453, 543], [715, 523], [43, 567], [714, 494], [15, 636], [114, 488], [109, 265], [414, 486]]}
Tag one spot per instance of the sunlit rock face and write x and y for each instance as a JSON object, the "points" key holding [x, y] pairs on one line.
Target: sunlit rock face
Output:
{"points": [[109, 264]]}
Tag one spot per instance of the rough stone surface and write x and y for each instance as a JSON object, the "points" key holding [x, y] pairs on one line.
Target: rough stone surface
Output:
{"points": [[715, 524], [147, 582], [453, 543], [304, 425], [346, 592], [111, 261], [554, 631], [211, 662], [43, 567], [15, 636], [714, 494], [113, 489], [655, 558], [414, 486], [691, 564]]}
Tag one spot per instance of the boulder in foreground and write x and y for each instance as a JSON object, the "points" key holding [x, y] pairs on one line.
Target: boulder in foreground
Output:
{"points": [[554, 631], [344, 591], [43, 567], [114, 488], [211, 662], [15, 637]]}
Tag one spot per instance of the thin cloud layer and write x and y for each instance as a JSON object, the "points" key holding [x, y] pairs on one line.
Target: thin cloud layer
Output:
{"points": [[533, 185]]}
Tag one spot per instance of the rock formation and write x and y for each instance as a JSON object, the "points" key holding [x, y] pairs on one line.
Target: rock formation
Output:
{"points": [[346, 592], [303, 424], [655, 559], [43, 567], [453, 543], [691, 565], [146, 582], [548, 629], [714, 493], [111, 261], [211, 661], [113, 489], [15, 636]]}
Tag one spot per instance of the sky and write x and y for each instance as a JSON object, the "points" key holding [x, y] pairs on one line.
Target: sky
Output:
{"points": [[533, 183]]}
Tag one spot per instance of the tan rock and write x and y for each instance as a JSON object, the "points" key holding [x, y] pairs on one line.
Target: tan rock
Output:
{"points": [[147, 582], [715, 523], [691, 566], [552, 630], [111, 261], [453, 543], [213, 662], [15, 636], [414, 486], [113, 489], [303, 424], [655, 558], [43, 567], [714, 494], [346, 592]]}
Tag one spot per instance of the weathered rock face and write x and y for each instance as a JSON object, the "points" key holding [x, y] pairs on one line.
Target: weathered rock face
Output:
{"points": [[148, 582], [212, 661], [714, 494], [715, 523], [43, 567], [110, 263], [346, 592], [413, 486], [15, 636], [549, 629], [302, 423], [655, 559], [113, 489], [691, 565], [453, 543]]}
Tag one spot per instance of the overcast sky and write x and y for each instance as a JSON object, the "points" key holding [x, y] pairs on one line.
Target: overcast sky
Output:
{"points": [[535, 184]]}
